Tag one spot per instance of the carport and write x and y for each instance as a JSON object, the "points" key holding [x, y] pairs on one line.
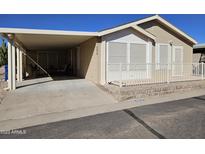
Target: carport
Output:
{"points": [[38, 53]]}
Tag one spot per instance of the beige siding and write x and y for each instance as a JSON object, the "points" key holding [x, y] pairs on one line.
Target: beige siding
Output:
{"points": [[89, 60], [164, 35]]}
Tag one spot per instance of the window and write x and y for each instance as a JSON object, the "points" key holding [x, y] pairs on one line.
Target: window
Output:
{"points": [[177, 60], [117, 53], [137, 53], [137, 56], [132, 56], [163, 55]]}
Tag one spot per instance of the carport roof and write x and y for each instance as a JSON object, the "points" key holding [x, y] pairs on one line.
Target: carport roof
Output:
{"points": [[34, 39], [46, 32]]}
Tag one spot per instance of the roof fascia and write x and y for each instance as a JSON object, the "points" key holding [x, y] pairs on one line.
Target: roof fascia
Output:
{"points": [[46, 32]]}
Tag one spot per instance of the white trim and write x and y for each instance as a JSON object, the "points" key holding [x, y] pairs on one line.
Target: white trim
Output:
{"points": [[135, 27], [155, 17], [144, 32], [46, 32]]}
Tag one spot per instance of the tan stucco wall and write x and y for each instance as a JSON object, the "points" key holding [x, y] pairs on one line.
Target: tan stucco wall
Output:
{"points": [[89, 60], [164, 35]]}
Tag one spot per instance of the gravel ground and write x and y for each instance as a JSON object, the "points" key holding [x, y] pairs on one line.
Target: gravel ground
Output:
{"points": [[3, 84]]}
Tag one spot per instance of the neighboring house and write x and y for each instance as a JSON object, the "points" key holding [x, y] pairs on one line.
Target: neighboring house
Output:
{"points": [[199, 53], [149, 50]]}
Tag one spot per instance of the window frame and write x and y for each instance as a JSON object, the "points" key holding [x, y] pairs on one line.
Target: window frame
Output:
{"points": [[157, 55], [173, 59], [148, 54]]}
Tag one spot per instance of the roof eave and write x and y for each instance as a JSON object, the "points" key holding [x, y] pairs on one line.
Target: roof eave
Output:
{"points": [[155, 17], [176, 29], [144, 32], [46, 32], [137, 28]]}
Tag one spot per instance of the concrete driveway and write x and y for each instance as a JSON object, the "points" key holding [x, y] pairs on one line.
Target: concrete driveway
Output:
{"points": [[44, 96], [177, 119]]}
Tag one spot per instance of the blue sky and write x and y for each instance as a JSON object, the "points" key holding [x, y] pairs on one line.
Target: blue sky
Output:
{"points": [[194, 25]]}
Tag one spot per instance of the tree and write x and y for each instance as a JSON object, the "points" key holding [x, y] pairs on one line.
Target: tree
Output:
{"points": [[3, 54]]}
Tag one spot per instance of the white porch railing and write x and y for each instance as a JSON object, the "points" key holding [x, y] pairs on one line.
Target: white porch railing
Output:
{"points": [[136, 74]]}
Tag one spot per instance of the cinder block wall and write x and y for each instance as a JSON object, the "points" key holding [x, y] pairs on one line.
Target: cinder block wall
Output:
{"points": [[145, 91]]}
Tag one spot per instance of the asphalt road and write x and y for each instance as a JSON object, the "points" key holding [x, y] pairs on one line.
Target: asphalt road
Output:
{"points": [[177, 119]]}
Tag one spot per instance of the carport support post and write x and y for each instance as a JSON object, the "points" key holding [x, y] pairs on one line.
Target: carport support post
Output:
{"points": [[13, 65], [19, 64], [9, 66]]}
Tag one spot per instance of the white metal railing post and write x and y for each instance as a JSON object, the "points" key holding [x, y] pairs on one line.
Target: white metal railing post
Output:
{"points": [[202, 70], [120, 74], [168, 73]]}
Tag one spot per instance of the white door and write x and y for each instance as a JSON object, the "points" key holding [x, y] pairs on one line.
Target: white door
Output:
{"points": [[177, 64]]}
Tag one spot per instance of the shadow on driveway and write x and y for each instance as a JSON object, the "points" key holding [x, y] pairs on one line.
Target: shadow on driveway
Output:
{"points": [[144, 124]]}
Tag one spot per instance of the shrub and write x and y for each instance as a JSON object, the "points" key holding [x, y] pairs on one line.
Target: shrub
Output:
{"points": [[3, 54]]}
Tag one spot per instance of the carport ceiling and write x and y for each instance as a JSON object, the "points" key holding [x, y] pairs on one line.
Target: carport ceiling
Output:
{"points": [[45, 42], [33, 39]]}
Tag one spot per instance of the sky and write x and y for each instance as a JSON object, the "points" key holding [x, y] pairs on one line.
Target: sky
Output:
{"points": [[193, 25]]}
